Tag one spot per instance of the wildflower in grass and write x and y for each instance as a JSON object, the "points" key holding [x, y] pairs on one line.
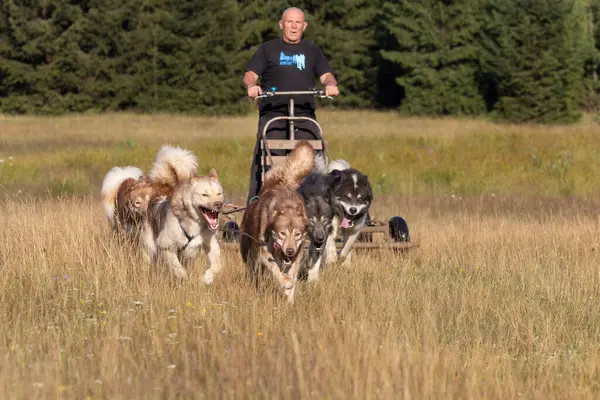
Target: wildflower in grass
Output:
{"points": [[66, 277], [259, 333]]}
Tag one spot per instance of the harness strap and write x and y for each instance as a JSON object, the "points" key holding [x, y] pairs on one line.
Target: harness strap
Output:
{"points": [[187, 236]]}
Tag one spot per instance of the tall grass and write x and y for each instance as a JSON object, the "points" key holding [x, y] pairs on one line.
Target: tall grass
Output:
{"points": [[70, 155], [501, 300]]}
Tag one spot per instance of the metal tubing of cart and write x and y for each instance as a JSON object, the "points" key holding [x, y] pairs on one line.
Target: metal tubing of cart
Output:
{"points": [[291, 114], [263, 135]]}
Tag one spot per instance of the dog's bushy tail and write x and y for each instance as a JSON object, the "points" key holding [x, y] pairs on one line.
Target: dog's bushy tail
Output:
{"points": [[298, 164], [173, 165], [339, 165], [321, 166], [111, 184]]}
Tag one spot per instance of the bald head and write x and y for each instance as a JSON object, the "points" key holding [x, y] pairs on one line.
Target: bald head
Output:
{"points": [[295, 10], [292, 25]]}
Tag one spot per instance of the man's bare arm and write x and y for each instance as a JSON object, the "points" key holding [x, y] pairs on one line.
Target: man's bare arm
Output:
{"points": [[330, 83], [250, 79]]}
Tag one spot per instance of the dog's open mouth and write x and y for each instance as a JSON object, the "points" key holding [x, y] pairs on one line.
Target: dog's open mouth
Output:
{"points": [[287, 261], [318, 246], [211, 217]]}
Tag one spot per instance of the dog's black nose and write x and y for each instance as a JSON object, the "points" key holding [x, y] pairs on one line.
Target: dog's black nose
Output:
{"points": [[353, 210], [217, 205], [319, 238], [289, 252]]}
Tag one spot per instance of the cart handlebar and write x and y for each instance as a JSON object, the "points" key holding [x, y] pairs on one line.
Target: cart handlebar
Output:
{"points": [[317, 93]]}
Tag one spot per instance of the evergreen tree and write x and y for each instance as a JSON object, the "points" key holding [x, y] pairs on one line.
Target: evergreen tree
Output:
{"points": [[592, 64], [40, 65], [259, 21], [345, 31], [536, 60], [434, 45]]}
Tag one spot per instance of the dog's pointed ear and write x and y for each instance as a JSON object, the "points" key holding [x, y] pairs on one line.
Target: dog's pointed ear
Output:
{"points": [[335, 176], [213, 173], [272, 205]]}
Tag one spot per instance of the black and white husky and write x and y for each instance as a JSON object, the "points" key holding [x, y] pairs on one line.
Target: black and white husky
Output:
{"points": [[351, 199], [337, 199]]}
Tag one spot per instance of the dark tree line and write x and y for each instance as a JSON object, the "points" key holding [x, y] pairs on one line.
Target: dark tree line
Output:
{"points": [[516, 60]]}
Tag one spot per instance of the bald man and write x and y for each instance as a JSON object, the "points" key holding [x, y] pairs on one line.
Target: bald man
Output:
{"points": [[289, 63]]}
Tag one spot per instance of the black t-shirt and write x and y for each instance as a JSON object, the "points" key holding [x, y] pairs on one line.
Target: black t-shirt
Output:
{"points": [[287, 66]]}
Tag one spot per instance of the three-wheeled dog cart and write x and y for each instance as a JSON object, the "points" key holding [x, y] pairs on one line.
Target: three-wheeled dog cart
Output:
{"points": [[376, 235]]}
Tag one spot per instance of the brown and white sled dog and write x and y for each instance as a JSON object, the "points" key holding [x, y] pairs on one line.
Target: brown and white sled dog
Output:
{"points": [[126, 191], [178, 225], [274, 226]]}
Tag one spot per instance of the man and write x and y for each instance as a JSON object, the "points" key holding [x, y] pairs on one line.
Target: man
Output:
{"points": [[288, 64]]}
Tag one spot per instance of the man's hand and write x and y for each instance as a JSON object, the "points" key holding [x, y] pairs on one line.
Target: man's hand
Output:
{"points": [[254, 91], [330, 83], [331, 91]]}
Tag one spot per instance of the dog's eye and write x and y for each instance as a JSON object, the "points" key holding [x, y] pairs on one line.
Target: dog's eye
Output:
{"points": [[204, 195], [282, 233], [219, 194], [298, 234]]}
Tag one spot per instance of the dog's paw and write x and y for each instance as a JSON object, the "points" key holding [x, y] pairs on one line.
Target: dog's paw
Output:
{"points": [[287, 283], [208, 277], [180, 273], [345, 261], [290, 295], [313, 275]]}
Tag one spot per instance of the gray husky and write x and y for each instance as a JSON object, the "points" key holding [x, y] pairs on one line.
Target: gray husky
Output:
{"points": [[317, 197]]}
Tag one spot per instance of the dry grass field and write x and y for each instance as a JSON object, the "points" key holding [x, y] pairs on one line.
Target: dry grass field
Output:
{"points": [[501, 300]]}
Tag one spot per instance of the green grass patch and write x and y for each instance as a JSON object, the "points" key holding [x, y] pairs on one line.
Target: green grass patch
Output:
{"points": [[484, 159]]}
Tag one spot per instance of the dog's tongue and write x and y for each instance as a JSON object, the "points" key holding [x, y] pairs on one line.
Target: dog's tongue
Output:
{"points": [[345, 223]]}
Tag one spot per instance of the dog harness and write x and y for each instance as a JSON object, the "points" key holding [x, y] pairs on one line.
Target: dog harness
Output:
{"points": [[187, 236]]}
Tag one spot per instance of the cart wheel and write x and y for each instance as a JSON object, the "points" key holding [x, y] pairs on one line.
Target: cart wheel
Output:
{"points": [[399, 229], [231, 232]]}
